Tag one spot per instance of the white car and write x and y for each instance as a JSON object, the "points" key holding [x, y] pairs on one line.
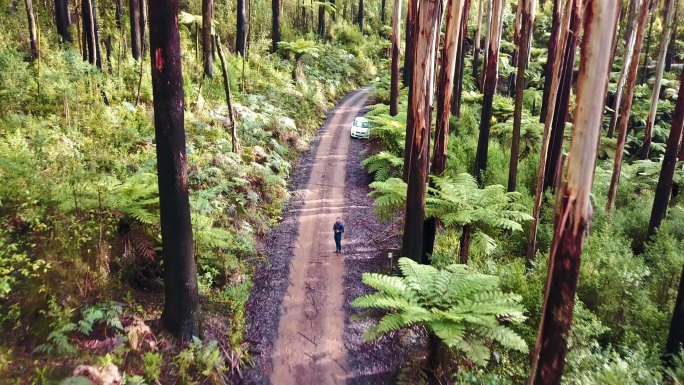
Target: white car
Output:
{"points": [[360, 128]]}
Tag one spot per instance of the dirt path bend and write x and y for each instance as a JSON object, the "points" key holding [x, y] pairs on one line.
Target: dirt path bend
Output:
{"points": [[298, 308]]}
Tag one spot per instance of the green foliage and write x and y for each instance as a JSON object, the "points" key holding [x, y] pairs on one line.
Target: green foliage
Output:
{"points": [[382, 165], [152, 365], [202, 358], [463, 308]]}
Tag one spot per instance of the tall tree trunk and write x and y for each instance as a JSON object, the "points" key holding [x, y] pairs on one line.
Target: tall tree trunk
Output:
{"points": [[675, 338], [548, 358], [134, 13], [460, 60], [321, 21], [528, 8], [241, 24], [33, 32], [181, 302], [630, 36], [626, 106], [275, 24], [229, 100], [90, 32], [477, 42], [411, 13], [396, 41], [660, 67], [144, 45], [553, 51], [334, 10], [383, 6], [360, 17], [63, 20], [420, 119], [488, 35], [563, 102], [553, 93], [452, 37], [672, 48], [207, 40], [664, 187], [490, 79], [647, 59]]}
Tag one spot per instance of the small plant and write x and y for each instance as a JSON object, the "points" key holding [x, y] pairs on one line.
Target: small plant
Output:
{"points": [[463, 308], [152, 362]]}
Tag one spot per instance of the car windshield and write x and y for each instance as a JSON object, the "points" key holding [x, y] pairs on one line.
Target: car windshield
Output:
{"points": [[360, 123]]}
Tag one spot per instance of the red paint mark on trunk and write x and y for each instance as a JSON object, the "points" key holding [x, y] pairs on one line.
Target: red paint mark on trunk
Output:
{"points": [[159, 60]]}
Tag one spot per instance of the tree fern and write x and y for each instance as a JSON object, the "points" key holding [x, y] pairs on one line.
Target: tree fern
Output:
{"points": [[463, 308], [383, 165]]}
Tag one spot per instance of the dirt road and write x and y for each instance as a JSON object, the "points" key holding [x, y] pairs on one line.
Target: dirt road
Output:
{"points": [[298, 310]]}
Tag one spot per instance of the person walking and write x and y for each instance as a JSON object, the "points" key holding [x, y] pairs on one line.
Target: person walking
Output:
{"points": [[338, 229]]}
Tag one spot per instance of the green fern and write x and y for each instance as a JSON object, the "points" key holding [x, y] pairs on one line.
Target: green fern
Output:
{"points": [[383, 165], [463, 308]]}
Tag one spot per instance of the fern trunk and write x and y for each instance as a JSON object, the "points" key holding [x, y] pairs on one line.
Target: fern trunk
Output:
{"points": [[563, 101], [490, 80], [664, 187], [418, 130], [660, 67], [464, 248], [626, 106], [552, 54], [527, 11], [396, 53], [207, 41], [548, 359], [553, 91], [181, 304]]}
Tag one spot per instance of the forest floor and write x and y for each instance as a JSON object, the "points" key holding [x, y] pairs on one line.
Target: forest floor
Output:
{"points": [[299, 312]]}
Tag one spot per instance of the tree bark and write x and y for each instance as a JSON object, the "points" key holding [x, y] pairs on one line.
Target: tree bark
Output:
{"points": [[464, 248], [563, 102], [63, 20], [90, 33], [119, 14], [527, 13], [144, 45], [675, 339], [420, 126], [383, 6], [33, 33], [360, 17], [207, 40], [460, 59], [229, 100], [136, 39], [672, 48], [644, 71], [664, 186], [181, 302], [626, 106], [490, 80], [396, 53], [660, 67], [408, 54], [488, 34], [477, 42], [548, 358], [321, 21], [553, 51], [275, 24], [452, 37], [241, 24], [553, 93], [630, 36]]}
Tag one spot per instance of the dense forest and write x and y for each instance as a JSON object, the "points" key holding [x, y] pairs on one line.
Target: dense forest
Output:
{"points": [[524, 155]]}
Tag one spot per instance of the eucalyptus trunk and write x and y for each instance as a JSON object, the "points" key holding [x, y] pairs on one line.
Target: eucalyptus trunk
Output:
{"points": [[360, 17], [33, 32], [489, 87], [660, 67], [647, 59], [136, 39], [477, 42], [63, 20], [452, 34], [181, 300], [664, 186], [553, 93], [383, 6], [411, 13], [527, 11], [673, 37], [90, 33], [630, 36], [241, 26], [488, 35], [675, 339], [548, 358], [460, 60], [275, 25], [321, 20], [552, 55], [207, 40], [396, 53], [418, 128], [626, 107]]}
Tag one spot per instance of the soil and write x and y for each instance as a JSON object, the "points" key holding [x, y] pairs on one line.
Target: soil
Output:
{"points": [[298, 312]]}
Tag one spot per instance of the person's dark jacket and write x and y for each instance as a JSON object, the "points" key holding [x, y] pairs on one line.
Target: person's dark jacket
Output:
{"points": [[338, 227]]}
